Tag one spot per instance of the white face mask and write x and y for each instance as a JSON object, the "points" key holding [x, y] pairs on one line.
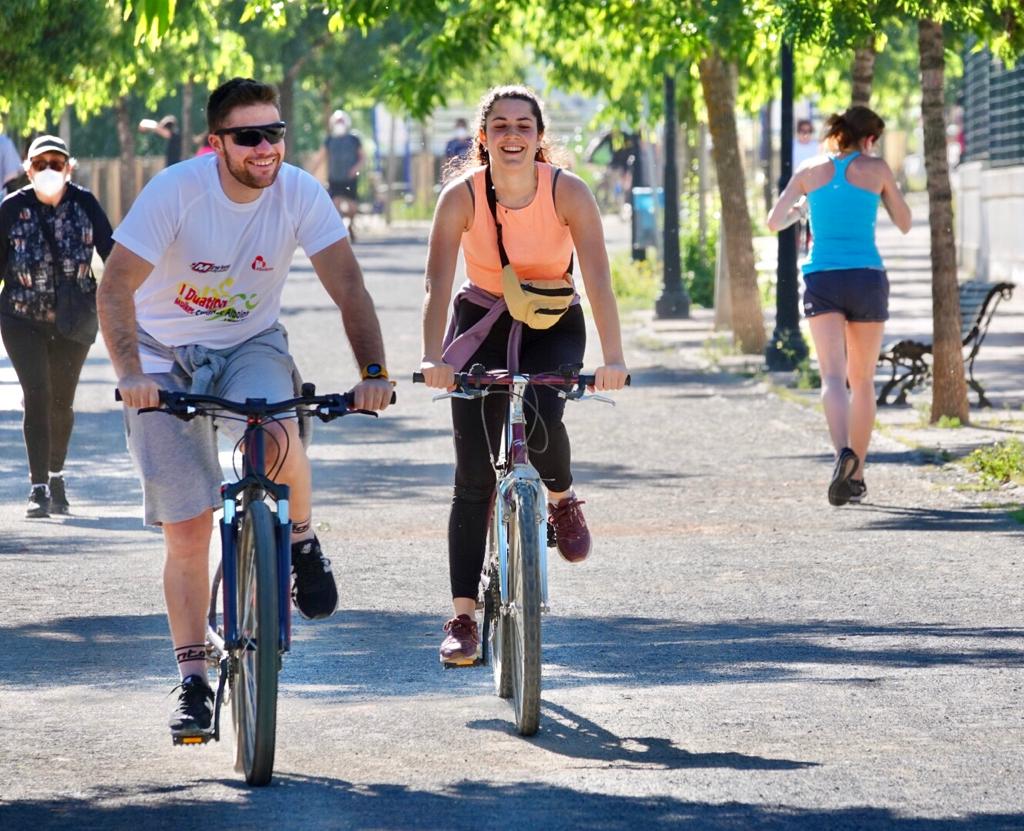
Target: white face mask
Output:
{"points": [[461, 133], [48, 182], [339, 129]]}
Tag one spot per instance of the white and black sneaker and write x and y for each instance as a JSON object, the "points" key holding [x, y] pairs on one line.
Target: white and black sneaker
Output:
{"points": [[38, 502], [839, 488], [314, 592], [858, 491], [58, 496], [193, 715]]}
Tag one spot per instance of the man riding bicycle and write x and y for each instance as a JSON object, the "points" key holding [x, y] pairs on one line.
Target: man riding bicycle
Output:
{"points": [[190, 300]]}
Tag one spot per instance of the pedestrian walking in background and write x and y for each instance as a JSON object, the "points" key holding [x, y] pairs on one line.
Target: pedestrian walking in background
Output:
{"points": [[167, 128], [846, 290], [10, 164], [48, 232], [805, 148], [545, 212], [344, 151], [458, 146]]}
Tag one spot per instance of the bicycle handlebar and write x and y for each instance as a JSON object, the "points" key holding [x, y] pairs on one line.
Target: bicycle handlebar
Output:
{"points": [[475, 379], [187, 406]]}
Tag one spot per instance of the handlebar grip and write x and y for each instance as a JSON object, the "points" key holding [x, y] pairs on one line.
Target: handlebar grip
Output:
{"points": [[417, 378], [117, 394]]}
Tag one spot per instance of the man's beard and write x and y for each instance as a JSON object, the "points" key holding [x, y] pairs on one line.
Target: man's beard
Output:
{"points": [[243, 176]]}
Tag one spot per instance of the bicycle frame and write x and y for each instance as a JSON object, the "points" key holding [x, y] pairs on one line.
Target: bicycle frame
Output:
{"points": [[515, 467], [253, 486]]}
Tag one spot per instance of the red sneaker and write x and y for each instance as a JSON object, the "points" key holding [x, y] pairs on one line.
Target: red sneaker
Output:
{"points": [[571, 534], [460, 646]]}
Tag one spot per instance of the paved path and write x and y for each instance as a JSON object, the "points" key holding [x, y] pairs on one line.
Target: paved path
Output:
{"points": [[736, 654]]}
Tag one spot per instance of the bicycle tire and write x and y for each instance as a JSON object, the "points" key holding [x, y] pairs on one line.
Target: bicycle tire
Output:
{"points": [[498, 630], [254, 682], [524, 608]]}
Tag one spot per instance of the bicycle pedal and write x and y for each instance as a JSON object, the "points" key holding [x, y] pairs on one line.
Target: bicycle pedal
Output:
{"points": [[192, 741], [454, 665]]}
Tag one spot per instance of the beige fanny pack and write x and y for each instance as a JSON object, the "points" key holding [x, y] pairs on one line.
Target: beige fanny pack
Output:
{"points": [[537, 303]]}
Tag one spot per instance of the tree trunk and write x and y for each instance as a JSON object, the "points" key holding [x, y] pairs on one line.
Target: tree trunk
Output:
{"points": [[128, 187], [747, 318], [949, 391], [188, 145], [863, 73]]}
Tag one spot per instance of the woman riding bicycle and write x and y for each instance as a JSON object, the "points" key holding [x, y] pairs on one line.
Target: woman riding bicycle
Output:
{"points": [[543, 213]]}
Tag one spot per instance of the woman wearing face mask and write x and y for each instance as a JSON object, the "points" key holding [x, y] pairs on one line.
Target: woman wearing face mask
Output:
{"points": [[48, 231]]}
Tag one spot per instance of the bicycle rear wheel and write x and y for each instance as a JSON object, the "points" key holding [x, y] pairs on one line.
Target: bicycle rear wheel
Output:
{"points": [[523, 617], [254, 683], [497, 623]]}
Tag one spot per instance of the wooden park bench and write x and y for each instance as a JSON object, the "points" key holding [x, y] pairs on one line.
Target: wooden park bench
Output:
{"points": [[978, 303]]}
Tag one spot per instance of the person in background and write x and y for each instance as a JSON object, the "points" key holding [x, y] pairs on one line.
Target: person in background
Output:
{"points": [[166, 127], [806, 146], [460, 143], [48, 230], [202, 144], [10, 164], [344, 153], [846, 290]]}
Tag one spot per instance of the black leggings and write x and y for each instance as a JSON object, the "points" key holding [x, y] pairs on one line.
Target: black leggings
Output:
{"points": [[48, 366], [543, 350]]}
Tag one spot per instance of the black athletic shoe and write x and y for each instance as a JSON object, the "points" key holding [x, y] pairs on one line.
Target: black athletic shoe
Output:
{"points": [[58, 496], [314, 592], [839, 488], [193, 715], [38, 502], [858, 491]]}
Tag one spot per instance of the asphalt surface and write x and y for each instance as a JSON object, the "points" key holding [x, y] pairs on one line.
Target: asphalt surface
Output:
{"points": [[735, 654]]}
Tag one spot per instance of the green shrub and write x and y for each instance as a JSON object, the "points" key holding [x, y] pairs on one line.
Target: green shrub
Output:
{"points": [[999, 463]]}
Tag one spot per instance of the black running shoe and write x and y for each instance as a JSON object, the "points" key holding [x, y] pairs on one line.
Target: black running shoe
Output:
{"points": [[58, 496], [193, 715], [858, 491], [38, 502], [314, 592], [839, 488]]}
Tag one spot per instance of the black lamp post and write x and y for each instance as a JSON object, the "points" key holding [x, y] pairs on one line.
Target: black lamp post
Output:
{"points": [[787, 347], [674, 302]]}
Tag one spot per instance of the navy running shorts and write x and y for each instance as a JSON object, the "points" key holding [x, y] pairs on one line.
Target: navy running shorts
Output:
{"points": [[861, 295]]}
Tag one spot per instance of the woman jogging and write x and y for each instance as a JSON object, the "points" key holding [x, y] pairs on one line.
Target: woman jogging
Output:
{"points": [[846, 291], [48, 231], [543, 213]]}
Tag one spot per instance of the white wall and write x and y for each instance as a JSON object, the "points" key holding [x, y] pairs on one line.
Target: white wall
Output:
{"points": [[990, 221]]}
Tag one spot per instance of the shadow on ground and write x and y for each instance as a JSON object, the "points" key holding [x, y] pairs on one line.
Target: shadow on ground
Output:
{"points": [[315, 803]]}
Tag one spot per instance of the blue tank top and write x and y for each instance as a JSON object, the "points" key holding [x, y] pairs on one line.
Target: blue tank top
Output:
{"points": [[842, 224]]}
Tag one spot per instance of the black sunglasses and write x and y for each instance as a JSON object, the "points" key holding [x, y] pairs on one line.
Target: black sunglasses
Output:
{"points": [[252, 136], [54, 164]]}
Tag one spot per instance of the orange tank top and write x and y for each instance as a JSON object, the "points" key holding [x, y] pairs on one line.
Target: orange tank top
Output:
{"points": [[537, 243]]}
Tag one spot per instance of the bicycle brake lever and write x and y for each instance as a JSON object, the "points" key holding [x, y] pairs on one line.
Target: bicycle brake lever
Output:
{"points": [[443, 395], [596, 396]]}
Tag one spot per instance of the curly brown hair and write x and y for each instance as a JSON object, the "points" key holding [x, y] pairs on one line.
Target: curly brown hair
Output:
{"points": [[478, 153]]}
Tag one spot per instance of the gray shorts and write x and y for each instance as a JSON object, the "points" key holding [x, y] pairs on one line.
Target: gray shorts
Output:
{"points": [[177, 460]]}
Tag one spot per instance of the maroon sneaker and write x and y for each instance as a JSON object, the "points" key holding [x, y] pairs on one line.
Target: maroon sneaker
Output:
{"points": [[571, 534], [461, 644]]}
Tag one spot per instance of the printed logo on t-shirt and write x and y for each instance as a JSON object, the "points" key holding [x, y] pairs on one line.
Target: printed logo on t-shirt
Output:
{"points": [[259, 264], [215, 302], [209, 268]]}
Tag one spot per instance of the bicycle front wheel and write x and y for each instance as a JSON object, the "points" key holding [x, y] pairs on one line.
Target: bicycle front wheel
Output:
{"points": [[254, 682], [523, 613]]}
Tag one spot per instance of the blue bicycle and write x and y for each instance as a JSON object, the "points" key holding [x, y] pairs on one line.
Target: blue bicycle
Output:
{"points": [[250, 632]]}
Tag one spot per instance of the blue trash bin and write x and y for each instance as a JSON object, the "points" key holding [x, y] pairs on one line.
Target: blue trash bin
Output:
{"points": [[646, 229]]}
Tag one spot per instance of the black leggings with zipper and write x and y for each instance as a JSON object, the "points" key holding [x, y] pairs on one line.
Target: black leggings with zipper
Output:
{"points": [[48, 366]]}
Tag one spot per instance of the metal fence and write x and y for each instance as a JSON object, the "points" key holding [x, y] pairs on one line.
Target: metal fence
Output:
{"points": [[993, 100]]}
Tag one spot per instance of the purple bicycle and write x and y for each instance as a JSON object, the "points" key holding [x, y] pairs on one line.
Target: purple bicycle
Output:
{"points": [[514, 580]]}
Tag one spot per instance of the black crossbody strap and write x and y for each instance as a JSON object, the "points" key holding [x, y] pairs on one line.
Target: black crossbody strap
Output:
{"points": [[492, 203]]}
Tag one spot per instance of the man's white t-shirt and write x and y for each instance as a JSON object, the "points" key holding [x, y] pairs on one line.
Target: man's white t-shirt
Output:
{"points": [[219, 266], [804, 150]]}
